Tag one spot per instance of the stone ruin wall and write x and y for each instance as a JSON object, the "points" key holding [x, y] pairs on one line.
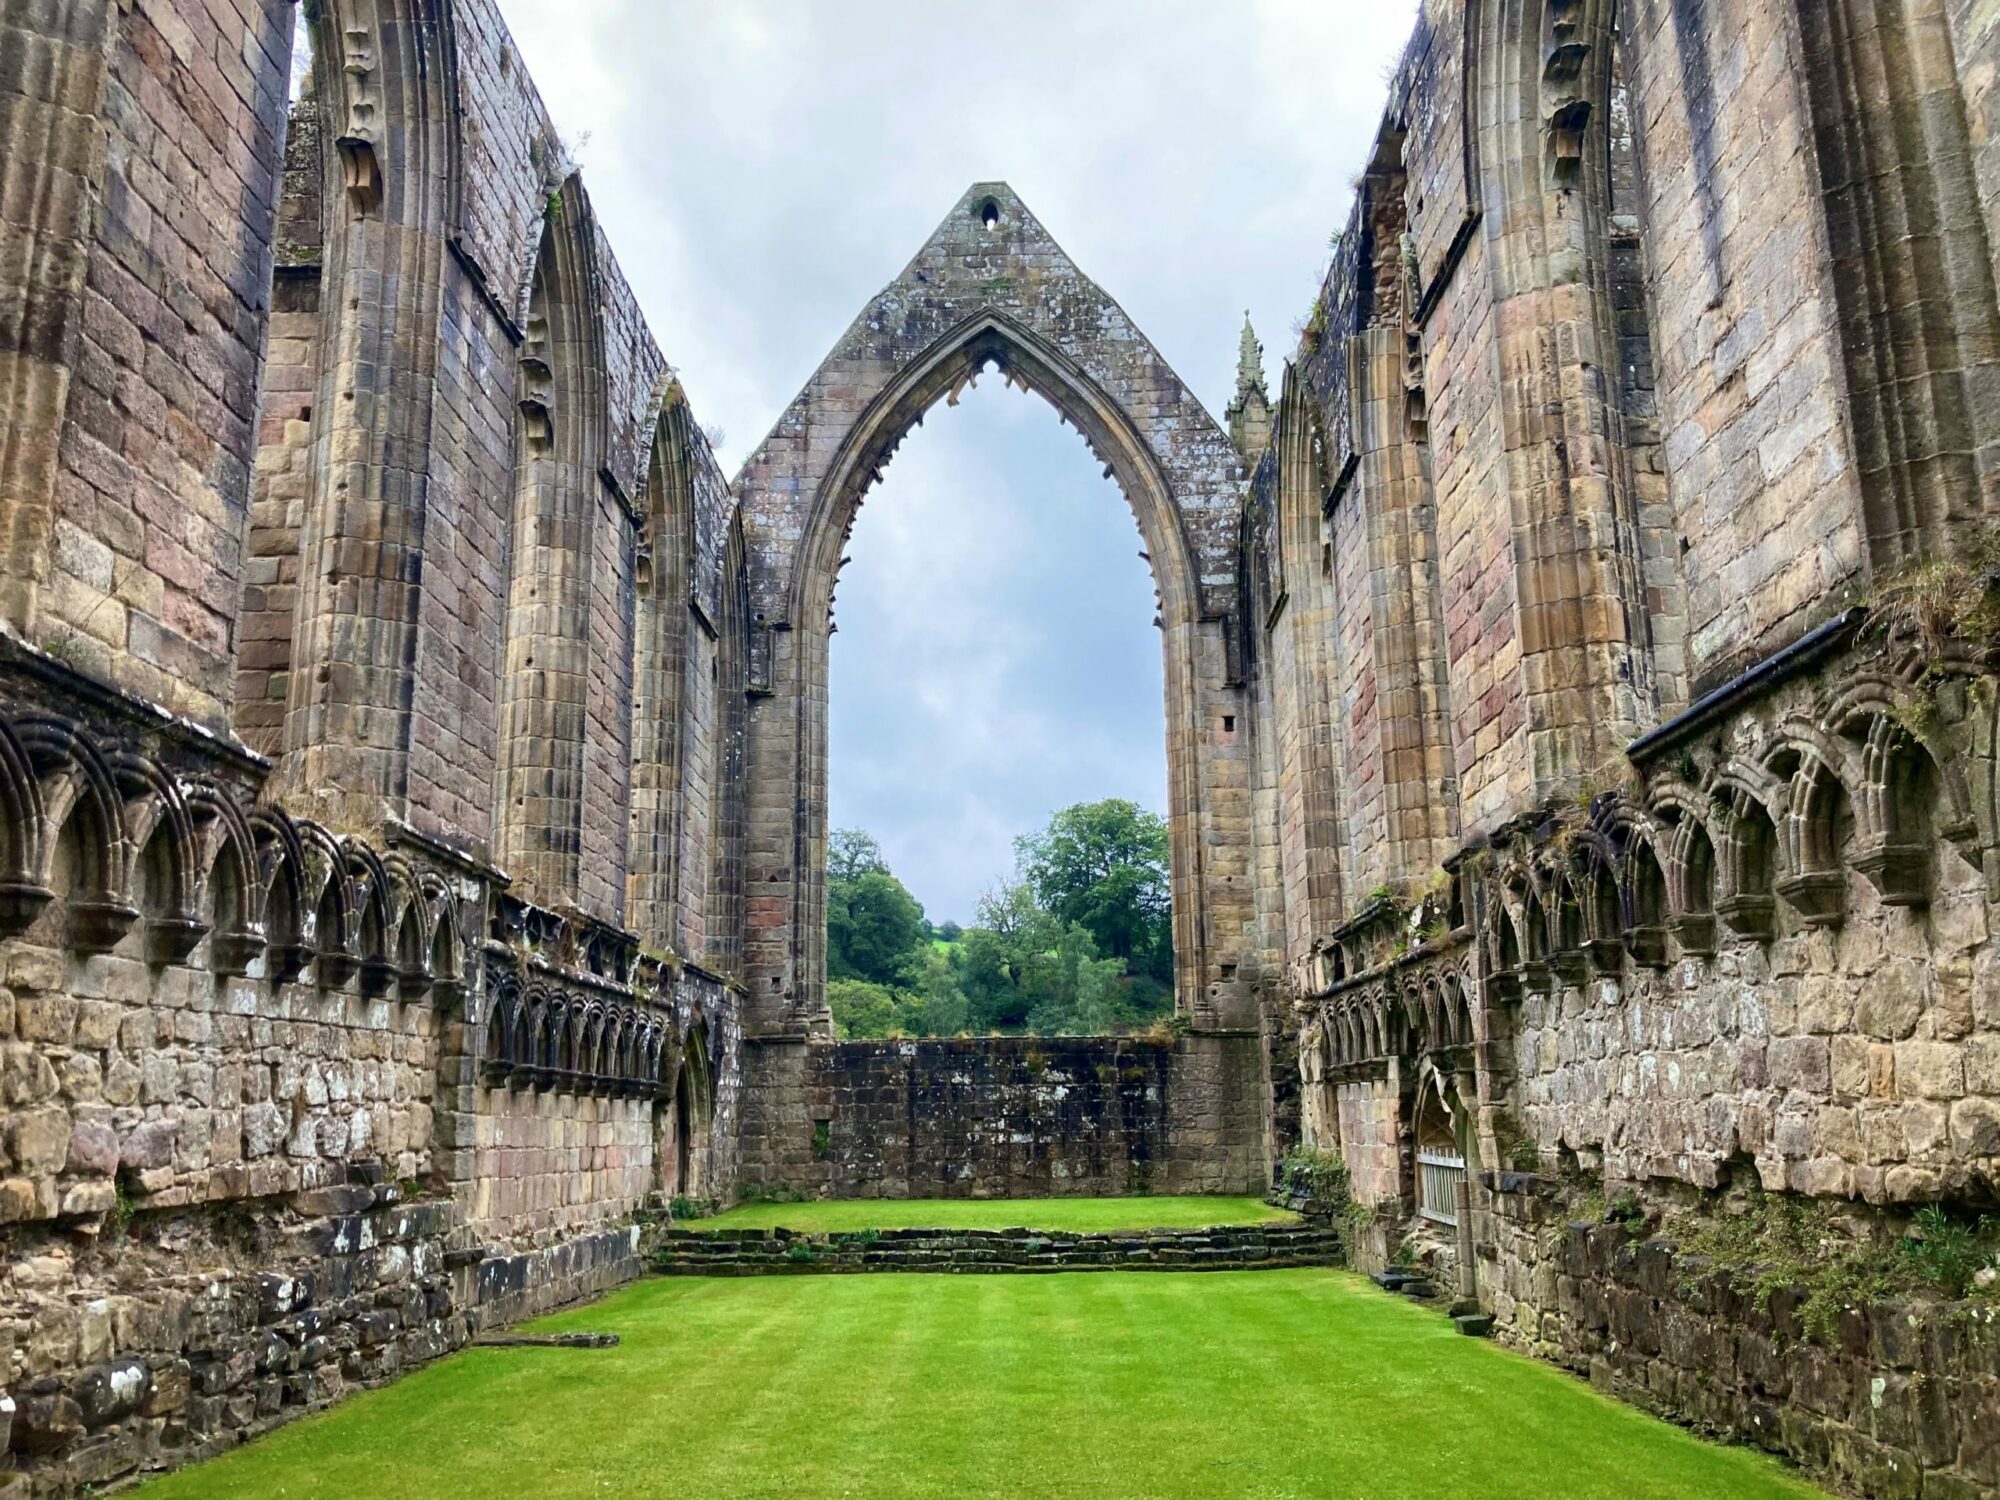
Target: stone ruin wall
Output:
{"points": [[359, 978], [1615, 807], [401, 745], [1010, 1117]]}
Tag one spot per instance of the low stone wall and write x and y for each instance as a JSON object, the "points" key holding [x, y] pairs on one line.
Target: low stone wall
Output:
{"points": [[1005, 1117], [191, 1330], [1902, 1400], [756, 1252]]}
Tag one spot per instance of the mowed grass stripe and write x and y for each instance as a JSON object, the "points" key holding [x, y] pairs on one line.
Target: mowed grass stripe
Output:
{"points": [[1075, 1215], [1279, 1385]]}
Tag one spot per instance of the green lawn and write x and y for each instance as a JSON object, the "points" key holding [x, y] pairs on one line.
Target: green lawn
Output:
{"points": [[1274, 1385], [1079, 1215]]}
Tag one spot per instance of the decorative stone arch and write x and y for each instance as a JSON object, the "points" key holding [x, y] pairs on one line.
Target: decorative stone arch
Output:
{"points": [[991, 288], [685, 1117], [1546, 72], [385, 77], [561, 439], [663, 579]]}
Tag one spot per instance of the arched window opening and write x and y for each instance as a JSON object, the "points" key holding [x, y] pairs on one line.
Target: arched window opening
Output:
{"points": [[1440, 1157], [993, 666], [559, 658], [682, 1119]]}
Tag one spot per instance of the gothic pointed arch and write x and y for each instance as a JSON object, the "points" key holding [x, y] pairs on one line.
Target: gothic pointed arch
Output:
{"points": [[560, 446], [384, 77], [991, 290], [661, 672]]}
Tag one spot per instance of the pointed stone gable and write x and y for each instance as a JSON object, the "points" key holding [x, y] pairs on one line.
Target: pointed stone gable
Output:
{"points": [[992, 288]]}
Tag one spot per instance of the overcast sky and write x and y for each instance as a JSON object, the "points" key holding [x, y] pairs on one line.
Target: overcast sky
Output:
{"points": [[764, 167]]}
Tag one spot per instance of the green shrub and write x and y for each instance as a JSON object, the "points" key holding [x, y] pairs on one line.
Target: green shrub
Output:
{"points": [[684, 1207], [1320, 1177], [1947, 1253], [800, 1252], [1778, 1241]]}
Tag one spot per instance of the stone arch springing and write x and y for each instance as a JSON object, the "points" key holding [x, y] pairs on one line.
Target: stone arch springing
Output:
{"points": [[164, 875], [980, 294], [1595, 876], [23, 892], [87, 851], [228, 891], [1546, 71], [385, 85], [1912, 267], [559, 452], [1746, 850], [1687, 857], [661, 687], [1643, 898], [1814, 822]]}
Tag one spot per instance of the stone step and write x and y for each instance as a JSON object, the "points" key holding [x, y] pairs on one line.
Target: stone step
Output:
{"points": [[785, 1252], [1474, 1325]]}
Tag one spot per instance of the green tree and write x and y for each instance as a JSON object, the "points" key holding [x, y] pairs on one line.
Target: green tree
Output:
{"points": [[850, 854], [1103, 866], [940, 1008], [873, 927], [1003, 958], [861, 1010]]}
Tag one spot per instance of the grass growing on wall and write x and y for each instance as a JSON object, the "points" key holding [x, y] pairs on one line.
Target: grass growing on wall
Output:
{"points": [[1077, 1215], [1274, 1385]]}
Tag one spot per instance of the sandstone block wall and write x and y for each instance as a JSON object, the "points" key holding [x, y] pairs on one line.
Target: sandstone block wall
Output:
{"points": [[192, 1341], [1896, 1404], [276, 376], [1655, 350], [1007, 1117]]}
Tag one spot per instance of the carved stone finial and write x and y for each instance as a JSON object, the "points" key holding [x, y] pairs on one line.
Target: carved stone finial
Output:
{"points": [[1249, 413]]}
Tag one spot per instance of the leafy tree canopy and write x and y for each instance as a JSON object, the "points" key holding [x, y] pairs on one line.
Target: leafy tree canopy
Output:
{"points": [[1103, 866], [873, 926], [1079, 945], [850, 854]]}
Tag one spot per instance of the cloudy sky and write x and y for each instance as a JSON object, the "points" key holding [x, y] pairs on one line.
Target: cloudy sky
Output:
{"points": [[764, 167]]}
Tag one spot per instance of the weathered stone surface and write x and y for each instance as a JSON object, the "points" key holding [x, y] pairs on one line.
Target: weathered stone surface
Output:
{"points": [[1536, 805]]}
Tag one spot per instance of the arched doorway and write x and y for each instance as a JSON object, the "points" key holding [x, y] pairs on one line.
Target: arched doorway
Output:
{"points": [[681, 1134], [1440, 1155], [991, 290]]}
